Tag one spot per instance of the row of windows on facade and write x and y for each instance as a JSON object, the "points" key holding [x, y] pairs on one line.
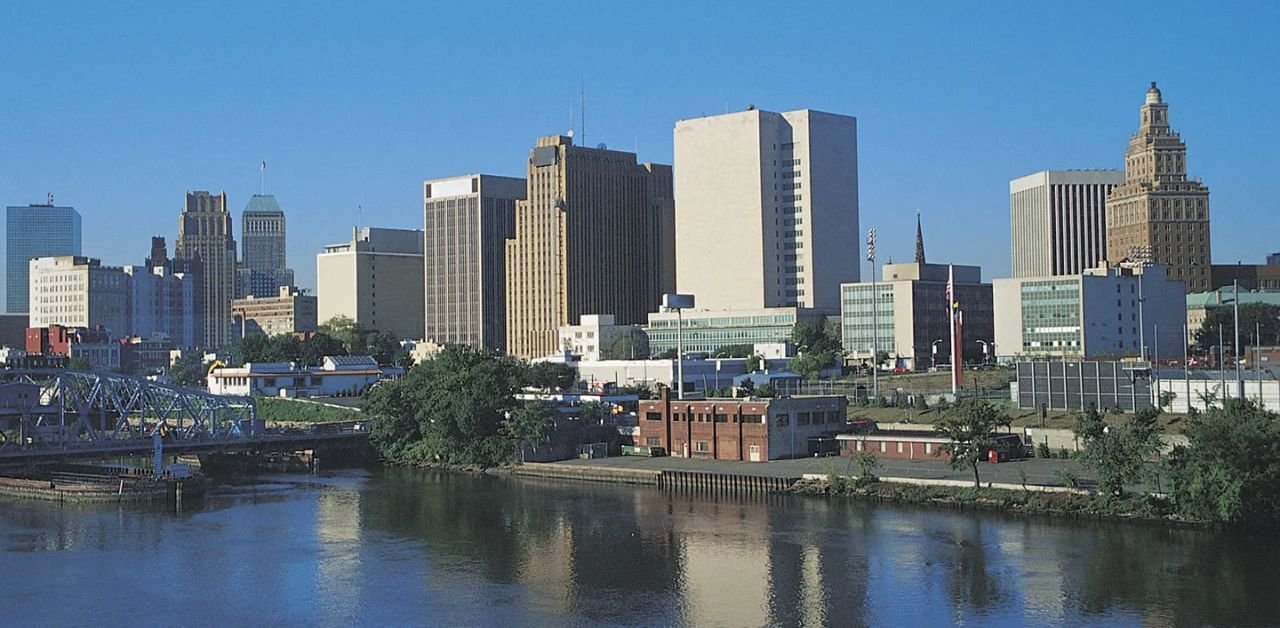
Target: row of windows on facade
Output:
{"points": [[780, 420]]}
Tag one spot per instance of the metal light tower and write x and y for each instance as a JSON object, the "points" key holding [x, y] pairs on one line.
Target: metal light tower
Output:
{"points": [[875, 316], [678, 303], [1235, 350], [1141, 256]]}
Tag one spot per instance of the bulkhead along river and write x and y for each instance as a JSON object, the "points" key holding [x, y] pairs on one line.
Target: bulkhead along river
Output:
{"points": [[412, 547]]}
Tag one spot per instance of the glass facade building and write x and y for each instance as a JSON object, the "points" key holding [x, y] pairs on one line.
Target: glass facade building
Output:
{"points": [[1051, 317], [35, 231], [709, 331]]}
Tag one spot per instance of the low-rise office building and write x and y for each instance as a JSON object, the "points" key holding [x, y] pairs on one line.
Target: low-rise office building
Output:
{"points": [[752, 430], [591, 338], [1092, 315], [700, 374], [1199, 304], [908, 316], [338, 376], [94, 344], [289, 312], [708, 331]]}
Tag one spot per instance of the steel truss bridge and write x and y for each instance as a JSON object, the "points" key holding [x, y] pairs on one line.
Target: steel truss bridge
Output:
{"points": [[52, 415]]}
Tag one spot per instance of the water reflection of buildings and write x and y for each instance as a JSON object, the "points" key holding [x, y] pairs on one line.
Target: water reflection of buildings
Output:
{"points": [[339, 569]]}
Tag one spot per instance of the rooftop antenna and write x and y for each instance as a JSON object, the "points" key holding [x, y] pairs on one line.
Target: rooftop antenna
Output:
{"points": [[50, 197], [582, 95], [262, 189], [359, 215], [570, 119]]}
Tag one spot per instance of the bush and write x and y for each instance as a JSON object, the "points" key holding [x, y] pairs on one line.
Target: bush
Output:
{"points": [[1042, 450], [1063, 454]]}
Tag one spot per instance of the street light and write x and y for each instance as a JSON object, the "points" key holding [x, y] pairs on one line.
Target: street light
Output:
{"points": [[986, 347], [934, 350], [678, 303]]}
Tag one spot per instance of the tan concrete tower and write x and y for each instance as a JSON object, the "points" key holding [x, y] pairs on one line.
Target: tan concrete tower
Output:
{"points": [[583, 242], [1157, 209]]}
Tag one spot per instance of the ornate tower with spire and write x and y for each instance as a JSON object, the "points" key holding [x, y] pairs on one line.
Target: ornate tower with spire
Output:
{"points": [[1159, 213], [919, 240]]}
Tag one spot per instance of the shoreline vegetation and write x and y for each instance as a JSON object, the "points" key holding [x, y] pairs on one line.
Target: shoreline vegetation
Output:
{"points": [[1062, 503]]}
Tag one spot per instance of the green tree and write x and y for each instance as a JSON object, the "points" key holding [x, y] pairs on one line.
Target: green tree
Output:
{"points": [[818, 344], [346, 331], [315, 349], [1252, 315], [969, 427], [251, 348], [188, 370], [78, 363], [450, 409], [753, 363], [384, 347], [1229, 470], [282, 348], [530, 423], [592, 413], [551, 376], [1117, 452], [627, 346]]}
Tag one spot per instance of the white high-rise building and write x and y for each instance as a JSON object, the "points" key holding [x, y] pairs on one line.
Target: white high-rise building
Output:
{"points": [[75, 291], [1058, 221], [767, 209]]}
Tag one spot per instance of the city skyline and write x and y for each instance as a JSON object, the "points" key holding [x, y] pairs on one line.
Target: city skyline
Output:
{"points": [[1055, 105]]}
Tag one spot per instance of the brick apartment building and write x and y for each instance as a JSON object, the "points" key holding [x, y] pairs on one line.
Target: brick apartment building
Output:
{"points": [[753, 430]]}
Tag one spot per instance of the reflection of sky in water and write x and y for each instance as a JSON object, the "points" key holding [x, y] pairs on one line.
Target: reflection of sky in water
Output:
{"points": [[424, 548]]}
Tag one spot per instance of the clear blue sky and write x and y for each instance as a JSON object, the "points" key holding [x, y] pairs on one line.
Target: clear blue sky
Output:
{"points": [[119, 108]]}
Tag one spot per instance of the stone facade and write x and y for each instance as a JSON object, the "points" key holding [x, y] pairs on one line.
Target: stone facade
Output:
{"points": [[1158, 209]]}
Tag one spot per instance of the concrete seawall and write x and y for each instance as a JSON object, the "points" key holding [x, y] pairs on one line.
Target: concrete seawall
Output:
{"points": [[646, 477]]}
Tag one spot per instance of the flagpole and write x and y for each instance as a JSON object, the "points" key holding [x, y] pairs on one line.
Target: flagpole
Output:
{"points": [[951, 322]]}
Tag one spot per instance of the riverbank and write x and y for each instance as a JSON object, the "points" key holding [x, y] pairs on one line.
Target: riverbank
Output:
{"points": [[1007, 487]]}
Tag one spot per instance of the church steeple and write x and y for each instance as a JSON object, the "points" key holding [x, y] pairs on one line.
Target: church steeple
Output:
{"points": [[919, 240]]}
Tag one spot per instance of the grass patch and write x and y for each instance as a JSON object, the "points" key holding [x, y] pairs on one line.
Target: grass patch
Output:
{"points": [[276, 409]]}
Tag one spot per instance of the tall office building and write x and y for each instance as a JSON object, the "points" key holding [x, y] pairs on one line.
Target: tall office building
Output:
{"points": [[263, 269], [583, 243], [1058, 220], [1159, 211], [375, 280], [766, 209], [204, 234], [35, 231], [466, 223]]}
